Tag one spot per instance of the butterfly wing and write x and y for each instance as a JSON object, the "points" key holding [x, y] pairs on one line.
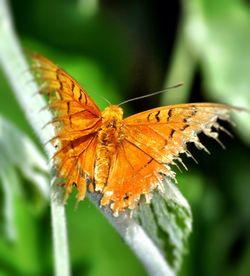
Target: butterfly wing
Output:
{"points": [[153, 140], [77, 120]]}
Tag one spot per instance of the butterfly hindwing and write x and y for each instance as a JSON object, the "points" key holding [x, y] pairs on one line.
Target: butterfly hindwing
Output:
{"points": [[133, 173]]}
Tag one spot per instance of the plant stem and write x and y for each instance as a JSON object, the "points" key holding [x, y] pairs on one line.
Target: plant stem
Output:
{"points": [[20, 78], [137, 239]]}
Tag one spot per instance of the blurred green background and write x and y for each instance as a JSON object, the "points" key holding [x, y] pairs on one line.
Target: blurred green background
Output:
{"points": [[124, 49]]}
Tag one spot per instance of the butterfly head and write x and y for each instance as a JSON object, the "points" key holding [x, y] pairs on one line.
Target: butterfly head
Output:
{"points": [[112, 130], [112, 116]]}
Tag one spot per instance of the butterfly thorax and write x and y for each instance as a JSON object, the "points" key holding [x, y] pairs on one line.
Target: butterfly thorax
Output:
{"points": [[111, 131], [110, 136]]}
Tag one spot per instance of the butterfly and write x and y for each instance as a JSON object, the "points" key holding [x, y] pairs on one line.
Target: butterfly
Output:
{"points": [[123, 159]]}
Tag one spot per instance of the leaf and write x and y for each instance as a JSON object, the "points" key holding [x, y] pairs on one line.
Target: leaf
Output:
{"points": [[18, 153], [168, 222], [218, 32]]}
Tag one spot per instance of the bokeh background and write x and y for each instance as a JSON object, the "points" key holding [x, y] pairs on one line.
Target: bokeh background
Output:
{"points": [[124, 49]]}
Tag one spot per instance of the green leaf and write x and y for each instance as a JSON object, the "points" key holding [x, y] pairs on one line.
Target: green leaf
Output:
{"points": [[19, 154], [219, 34], [168, 222]]}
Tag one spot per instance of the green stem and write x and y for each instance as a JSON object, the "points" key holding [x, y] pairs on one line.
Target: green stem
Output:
{"points": [[16, 69]]}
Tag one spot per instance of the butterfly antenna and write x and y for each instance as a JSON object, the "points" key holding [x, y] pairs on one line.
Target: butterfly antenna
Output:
{"points": [[102, 97], [106, 100], [152, 94]]}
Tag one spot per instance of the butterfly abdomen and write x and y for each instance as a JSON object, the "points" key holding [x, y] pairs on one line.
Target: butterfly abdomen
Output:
{"points": [[110, 136]]}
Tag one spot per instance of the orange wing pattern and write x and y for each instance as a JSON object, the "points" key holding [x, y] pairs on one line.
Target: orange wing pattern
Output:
{"points": [[122, 159], [154, 139], [77, 119]]}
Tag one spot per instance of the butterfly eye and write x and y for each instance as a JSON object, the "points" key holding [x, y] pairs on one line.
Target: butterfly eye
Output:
{"points": [[112, 124]]}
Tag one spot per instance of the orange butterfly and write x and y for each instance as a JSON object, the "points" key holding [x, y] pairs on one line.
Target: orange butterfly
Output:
{"points": [[122, 159]]}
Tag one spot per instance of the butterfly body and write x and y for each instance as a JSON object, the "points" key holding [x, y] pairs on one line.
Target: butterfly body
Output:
{"points": [[110, 136], [123, 159]]}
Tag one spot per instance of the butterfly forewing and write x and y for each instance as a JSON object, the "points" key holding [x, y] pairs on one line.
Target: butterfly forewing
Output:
{"points": [[164, 132], [61, 87]]}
